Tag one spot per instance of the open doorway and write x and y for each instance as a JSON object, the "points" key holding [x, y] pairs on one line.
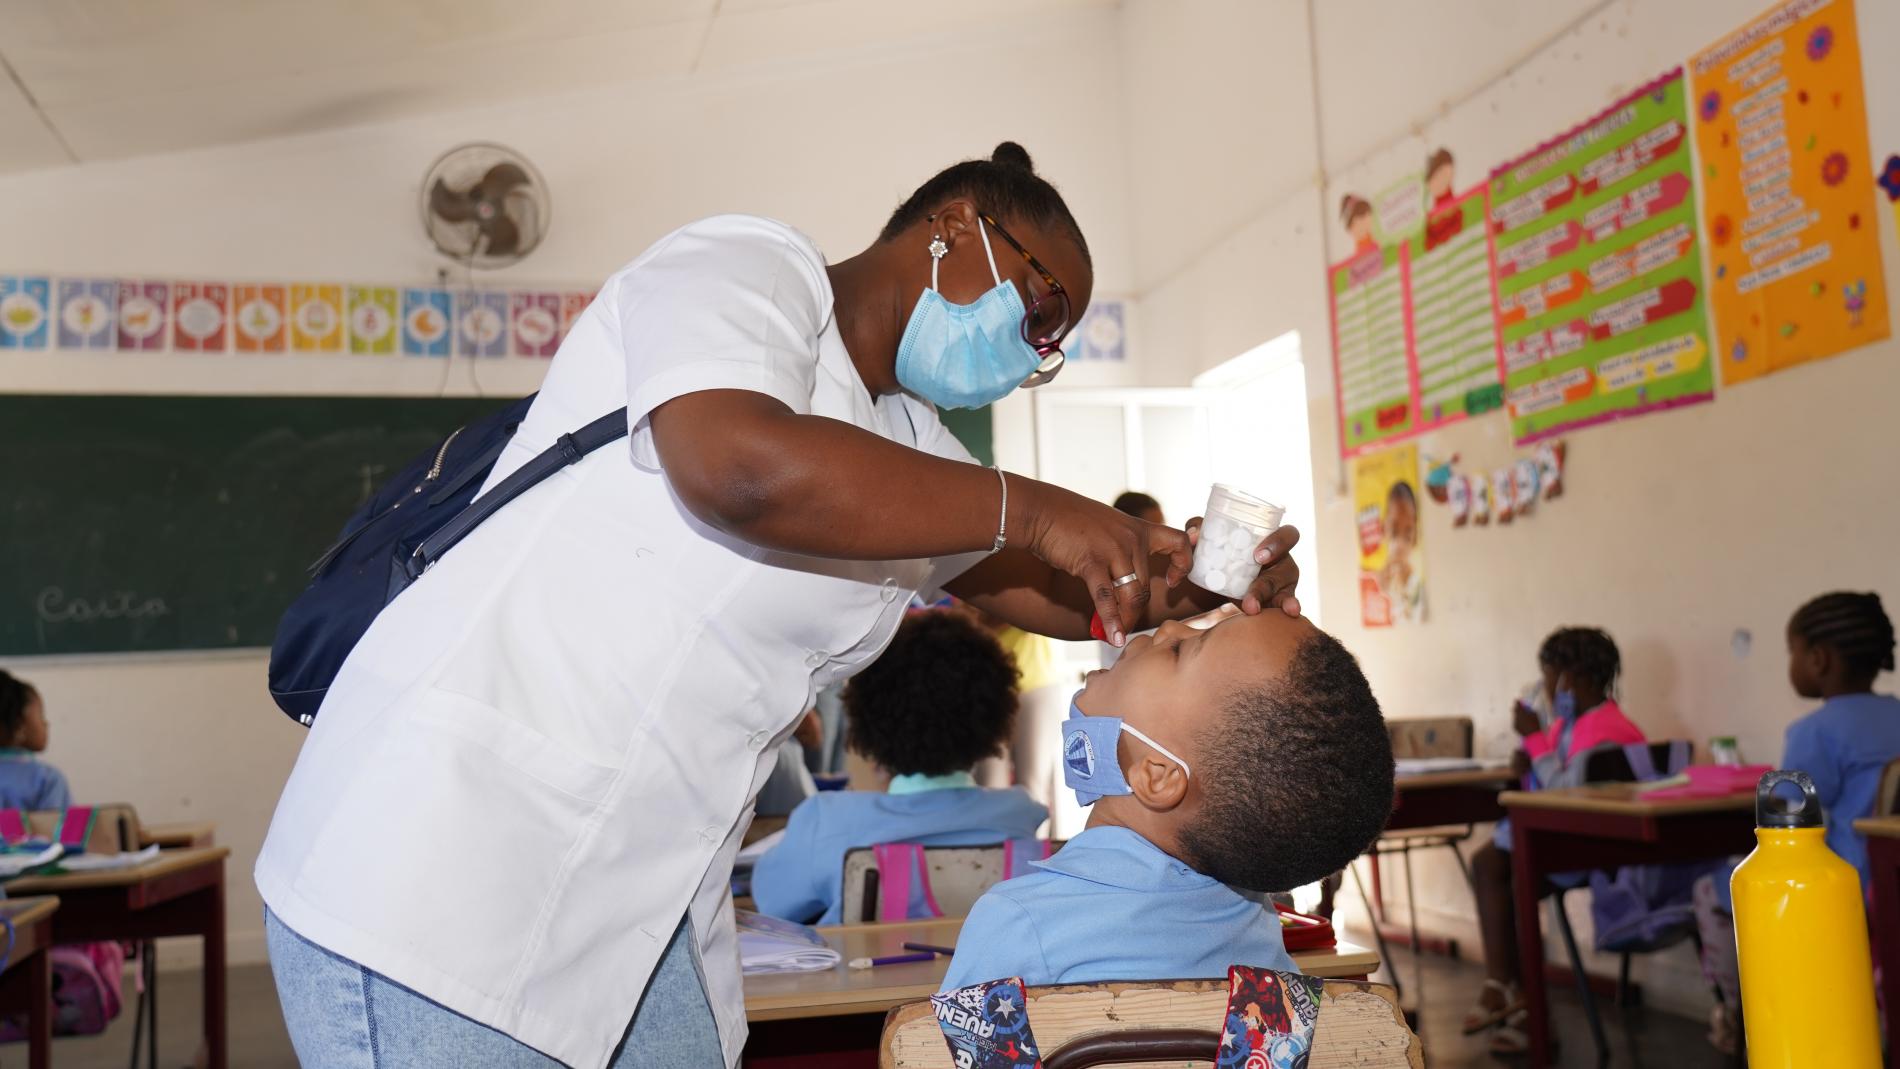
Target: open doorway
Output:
{"points": [[1259, 443], [1242, 422]]}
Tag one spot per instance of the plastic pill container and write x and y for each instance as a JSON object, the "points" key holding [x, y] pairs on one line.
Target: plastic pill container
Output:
{"points": [[1231, 529]]}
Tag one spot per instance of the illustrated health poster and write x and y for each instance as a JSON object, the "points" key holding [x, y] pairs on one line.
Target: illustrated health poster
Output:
{"points": [[1599, 277], [1781, 126], [1386, 514]]}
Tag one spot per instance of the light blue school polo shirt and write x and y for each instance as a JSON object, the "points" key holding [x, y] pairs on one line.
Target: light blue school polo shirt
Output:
{"points": [[26, 782], [1843, 746], [1112, 906], [802, 877]]}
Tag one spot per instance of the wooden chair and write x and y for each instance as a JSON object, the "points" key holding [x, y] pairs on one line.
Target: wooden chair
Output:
{"points": [[1888, 796], [1443, 736], [958, 877], [1167, 1021]]}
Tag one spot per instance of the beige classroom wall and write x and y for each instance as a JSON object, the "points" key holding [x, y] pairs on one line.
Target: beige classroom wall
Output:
{"points": [[1676, 531], [832, 150]]}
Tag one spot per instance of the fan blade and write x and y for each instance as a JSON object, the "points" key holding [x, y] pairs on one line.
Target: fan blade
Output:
{"points": [[449, 205], [500, 178], [503, 236]]}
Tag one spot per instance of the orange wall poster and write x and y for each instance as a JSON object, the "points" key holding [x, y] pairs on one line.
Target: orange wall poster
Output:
{"points": [[1787, 191]]}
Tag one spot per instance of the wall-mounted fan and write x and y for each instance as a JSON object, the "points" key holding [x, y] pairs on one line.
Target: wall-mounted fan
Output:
{"points": [[484, 205]]}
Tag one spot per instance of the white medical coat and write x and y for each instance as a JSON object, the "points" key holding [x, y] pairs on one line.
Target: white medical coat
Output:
{"points": [[543, 753]]}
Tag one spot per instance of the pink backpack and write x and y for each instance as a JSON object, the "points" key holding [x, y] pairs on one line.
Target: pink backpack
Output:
{"points": [[86, 986]]}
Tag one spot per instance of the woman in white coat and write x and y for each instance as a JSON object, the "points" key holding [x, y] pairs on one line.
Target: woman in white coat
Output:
{"points": [[508, 840]]}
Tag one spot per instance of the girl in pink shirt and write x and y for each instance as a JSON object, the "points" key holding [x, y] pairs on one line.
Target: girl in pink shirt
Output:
{"points": [[1580, 666]]}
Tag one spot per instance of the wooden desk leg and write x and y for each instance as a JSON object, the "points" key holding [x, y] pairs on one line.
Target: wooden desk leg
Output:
{"points": [[1526, 878], [39, 1013], [214, 975], [1884, 853]]}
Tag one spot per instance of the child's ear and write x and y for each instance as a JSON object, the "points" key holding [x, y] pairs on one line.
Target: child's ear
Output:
{"points": [[1159, 784]]}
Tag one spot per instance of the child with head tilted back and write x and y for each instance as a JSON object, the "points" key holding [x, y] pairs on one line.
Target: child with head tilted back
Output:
{"points": [[939, 699], [1247, 755], [25, 781]]}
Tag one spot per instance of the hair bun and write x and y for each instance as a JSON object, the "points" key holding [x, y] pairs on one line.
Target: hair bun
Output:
{"points": [[1010, 154]]}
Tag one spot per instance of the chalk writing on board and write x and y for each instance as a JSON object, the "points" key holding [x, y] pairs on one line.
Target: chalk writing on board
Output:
{"points": [[55, 607]]}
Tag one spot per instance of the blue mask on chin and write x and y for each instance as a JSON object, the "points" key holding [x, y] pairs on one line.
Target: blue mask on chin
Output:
{"points": [[966, 355], [1565, 707], [1090, 765]]}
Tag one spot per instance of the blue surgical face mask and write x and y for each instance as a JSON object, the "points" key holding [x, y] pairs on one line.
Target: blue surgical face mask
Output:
{"points": [[1565, 706], [1089, 762], [965, 355]]}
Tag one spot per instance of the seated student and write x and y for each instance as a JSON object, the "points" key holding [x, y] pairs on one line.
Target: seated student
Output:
{"points": [[1838, 644], [1580, 666], [26, 782], [940, 699], [1250, 754]]}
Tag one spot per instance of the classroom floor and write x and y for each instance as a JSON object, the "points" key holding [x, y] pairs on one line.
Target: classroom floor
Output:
{"points": [[258, 1041]]}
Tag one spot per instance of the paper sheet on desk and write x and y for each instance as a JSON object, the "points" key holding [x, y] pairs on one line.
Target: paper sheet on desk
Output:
{"points": [[107, 862], [771, 945], [1418, 766]]}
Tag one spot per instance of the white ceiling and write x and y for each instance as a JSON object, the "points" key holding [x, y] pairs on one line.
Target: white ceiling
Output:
{"points": [[103, 79]]}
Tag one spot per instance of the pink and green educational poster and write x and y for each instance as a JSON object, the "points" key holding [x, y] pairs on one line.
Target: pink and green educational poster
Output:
{"points": [[1781, 126], [1371, 356], [1415, 334], [1600, 294]]}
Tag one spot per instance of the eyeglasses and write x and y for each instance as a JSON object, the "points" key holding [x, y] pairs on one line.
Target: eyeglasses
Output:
{"points": [[1047, 320]]}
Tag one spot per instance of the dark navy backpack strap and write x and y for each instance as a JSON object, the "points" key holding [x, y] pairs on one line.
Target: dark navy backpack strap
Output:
{"points": [[567, 449]]}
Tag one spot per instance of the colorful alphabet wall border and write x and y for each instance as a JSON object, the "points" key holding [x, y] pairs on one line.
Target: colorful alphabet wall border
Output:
{"points": [[118, 315]]}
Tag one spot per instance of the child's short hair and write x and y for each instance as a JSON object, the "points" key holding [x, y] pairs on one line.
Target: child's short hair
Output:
{"points": [[1587, 653], [940, 699], [1296, 777], [1853, 625], [1134, 503], [15, 695]]}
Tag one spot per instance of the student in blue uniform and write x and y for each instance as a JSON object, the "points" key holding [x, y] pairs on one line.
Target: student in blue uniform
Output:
{"points": [[26, 782], [1838, 644], [1248, 755], [940, 699]]}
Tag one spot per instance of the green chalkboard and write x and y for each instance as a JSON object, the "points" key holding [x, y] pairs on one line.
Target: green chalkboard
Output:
{"points": [[186, 523], [165, 523]]}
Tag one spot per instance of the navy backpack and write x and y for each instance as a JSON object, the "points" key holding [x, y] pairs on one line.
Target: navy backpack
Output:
{"points": [[405, 527]]}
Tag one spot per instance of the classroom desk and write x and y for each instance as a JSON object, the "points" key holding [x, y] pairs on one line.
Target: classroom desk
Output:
{"points": [[844, 990], [760, 828], [1883, 856], [1448, 801], [180, 892], [1604, 826], [27, 982], [1434, 799]]}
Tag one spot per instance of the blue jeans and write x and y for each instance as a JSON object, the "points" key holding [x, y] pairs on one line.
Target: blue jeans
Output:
{"points": [[343, 1016]]}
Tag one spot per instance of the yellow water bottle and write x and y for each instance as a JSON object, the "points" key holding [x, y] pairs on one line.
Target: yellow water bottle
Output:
{"points": [[1801, 939]]}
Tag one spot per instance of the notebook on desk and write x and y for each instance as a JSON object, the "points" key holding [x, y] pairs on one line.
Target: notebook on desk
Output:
{"points": [[770, 945]]}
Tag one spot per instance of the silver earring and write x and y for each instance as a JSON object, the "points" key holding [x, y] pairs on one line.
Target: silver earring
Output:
{"points": [[937, 247]]}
